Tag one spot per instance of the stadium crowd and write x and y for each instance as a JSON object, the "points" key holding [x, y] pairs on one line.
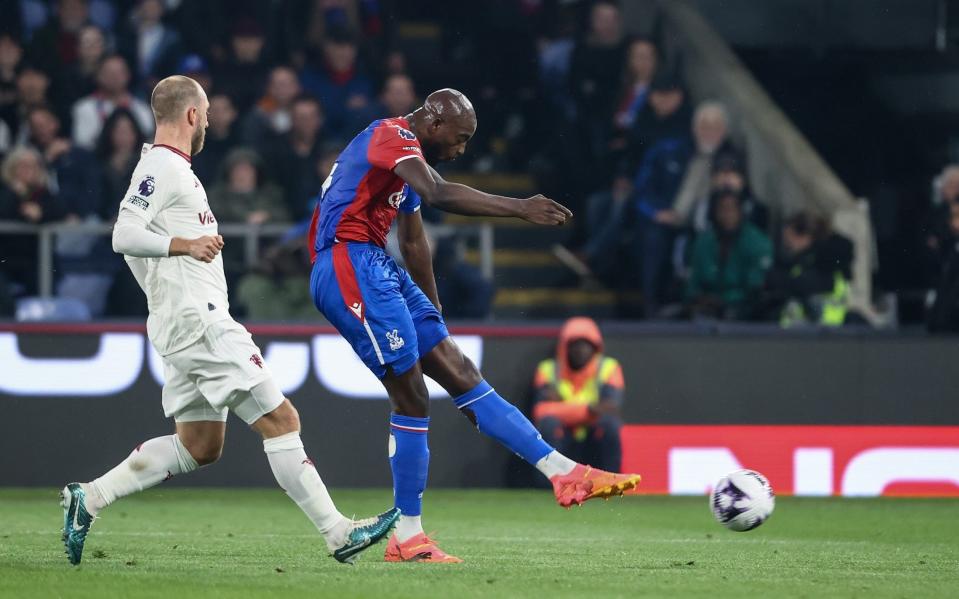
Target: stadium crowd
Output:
{"points": [[599, 120]]}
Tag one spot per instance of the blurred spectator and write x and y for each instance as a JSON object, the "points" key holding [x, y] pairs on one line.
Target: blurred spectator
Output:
{"points": [[272, 114], [195, 67], [710, 131], [641, 61], [32, 86], [118, 150], [809, 283], [79, 79], [243, 195], [462, 289], [728, 174], [242, 74], [91, 112], [151, 48], [342, 87], [25, 197], [55, 44], [943, 316], [937, 227], [278, 286], [10, 56], [666, 114], [398, 97], [74, 174], [579, 394], [729, 263], [294, 157], [221, 137], [596, 64]]}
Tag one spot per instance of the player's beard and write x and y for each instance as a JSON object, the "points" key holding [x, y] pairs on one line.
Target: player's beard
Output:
{"points": [[196, 143]]}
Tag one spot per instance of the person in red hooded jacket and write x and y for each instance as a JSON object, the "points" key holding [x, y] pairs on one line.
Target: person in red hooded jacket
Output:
{"points": [[578, 396]]}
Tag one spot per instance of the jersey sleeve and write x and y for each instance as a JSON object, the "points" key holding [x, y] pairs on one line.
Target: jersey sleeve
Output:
{"points": [[412, 202], [147, 195], [391, 145]]}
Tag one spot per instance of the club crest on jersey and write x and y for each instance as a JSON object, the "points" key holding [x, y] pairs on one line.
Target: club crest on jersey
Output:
{"points": [[405, 133], [397, 198], [147, 186], [396, 342]]}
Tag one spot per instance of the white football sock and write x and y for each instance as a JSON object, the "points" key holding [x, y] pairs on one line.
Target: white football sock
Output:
{"points": [[151, 463], [555, 464], [408, 527], [297, 476]]}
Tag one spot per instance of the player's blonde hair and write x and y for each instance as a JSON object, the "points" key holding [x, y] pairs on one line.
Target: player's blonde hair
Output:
{"points": [[172, 96]]}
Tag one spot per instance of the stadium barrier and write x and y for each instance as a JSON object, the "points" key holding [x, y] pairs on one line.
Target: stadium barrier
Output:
{"points": [[830, 414]]}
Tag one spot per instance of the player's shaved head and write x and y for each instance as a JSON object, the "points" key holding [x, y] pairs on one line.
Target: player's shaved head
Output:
{"points": [[173, 96], [444, 124]]}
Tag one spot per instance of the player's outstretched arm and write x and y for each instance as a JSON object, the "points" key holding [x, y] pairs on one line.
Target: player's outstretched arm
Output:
{"points": [[132, 238], [415, 248], [462, 199]]}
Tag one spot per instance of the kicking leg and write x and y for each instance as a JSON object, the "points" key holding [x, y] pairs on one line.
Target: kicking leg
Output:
{"points": [[573, 483]]}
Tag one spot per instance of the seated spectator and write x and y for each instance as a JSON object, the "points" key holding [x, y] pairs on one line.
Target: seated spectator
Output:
{"points": [[195, 67], [243, 195], [278, 286], [118, 150], [32, 87], [809, 283], [710, 132], [398, 97], [151, 48], [74, 172], [728, 173], [79, 79], [25, 197], [272, 114], [221, 137], [579, 394], [242, 74], [91, 112], [729, 263], [937, 225], [54, 45], [943, 316], [293, 157], [338, 81]]}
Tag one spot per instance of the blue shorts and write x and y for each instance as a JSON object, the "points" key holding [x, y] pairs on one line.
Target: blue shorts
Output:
{"points": [[376, 306]]}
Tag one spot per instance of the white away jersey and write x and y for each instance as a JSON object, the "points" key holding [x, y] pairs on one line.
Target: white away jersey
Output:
{"points": [[184, 295]]}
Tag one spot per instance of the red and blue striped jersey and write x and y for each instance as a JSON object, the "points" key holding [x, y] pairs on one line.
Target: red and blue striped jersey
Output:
{"points": [[361, 196]]}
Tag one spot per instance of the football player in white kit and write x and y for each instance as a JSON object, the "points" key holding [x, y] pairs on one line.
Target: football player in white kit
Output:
{"points": [[169, 237]]}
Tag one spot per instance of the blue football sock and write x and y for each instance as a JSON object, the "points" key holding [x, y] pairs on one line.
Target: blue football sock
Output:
{"points": [[410, 461], [501, 420]]}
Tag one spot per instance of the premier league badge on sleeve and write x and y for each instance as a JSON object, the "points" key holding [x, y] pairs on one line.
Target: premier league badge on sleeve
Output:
{"points": [[147, 186]]}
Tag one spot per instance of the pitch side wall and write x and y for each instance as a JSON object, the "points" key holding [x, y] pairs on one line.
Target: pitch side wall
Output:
{"points": [[76, 399]]}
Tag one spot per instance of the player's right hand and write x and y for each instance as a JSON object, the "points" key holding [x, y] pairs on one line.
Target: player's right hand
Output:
{"points": [[541, 210], [206, 248]]}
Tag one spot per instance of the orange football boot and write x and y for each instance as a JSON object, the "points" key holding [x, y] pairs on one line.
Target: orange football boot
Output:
{"points": [[585, 482], [417, 549]]}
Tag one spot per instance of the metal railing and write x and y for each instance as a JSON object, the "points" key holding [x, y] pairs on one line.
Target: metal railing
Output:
{"points": [[252, 236]]}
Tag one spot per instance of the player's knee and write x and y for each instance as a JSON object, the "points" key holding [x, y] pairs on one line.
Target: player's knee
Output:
{"points": [[206, 452]]}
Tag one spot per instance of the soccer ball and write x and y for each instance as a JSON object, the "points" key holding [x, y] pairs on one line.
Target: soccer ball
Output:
{"points": [[742, 500]]}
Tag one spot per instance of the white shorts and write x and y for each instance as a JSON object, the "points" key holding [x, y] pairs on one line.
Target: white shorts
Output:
{"points": [[223, 370]]}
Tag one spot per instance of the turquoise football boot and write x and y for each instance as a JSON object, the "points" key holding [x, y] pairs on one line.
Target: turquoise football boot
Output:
{"points": [[364, 534], [76, 521]]}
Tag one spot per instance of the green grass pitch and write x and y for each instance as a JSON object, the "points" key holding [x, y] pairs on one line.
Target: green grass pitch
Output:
{"points": [[256, 543]]}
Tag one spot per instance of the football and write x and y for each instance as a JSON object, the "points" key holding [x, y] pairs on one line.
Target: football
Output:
{"points": [[742, 500]]}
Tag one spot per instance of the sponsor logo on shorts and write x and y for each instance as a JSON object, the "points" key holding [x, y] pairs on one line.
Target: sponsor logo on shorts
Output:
{"points": [[147, 186], [257, 360], [138, 202], [396, 342]]}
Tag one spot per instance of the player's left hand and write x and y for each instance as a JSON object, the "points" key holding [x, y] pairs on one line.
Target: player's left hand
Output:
{"points": [[541, 210]]}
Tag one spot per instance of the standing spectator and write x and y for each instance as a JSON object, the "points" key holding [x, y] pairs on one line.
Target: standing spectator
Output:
{"points": [[579, 395], [79, 79], [54, 45], [243, 195], [272, 114], [91, 112], [729, 263], [293, 162], [809, 282], [150, 47], [74, 173], [242, 74], [398, 97], [340, 84], [641, 62], [25, 197], [118, 150], [10, 56], [221, 137]]}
